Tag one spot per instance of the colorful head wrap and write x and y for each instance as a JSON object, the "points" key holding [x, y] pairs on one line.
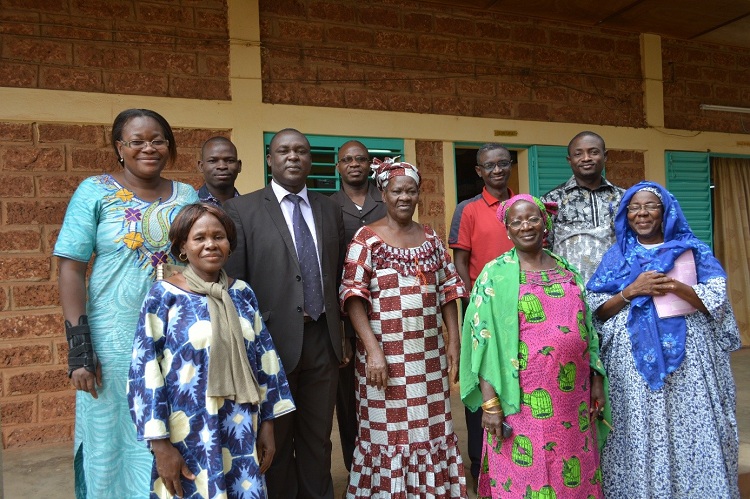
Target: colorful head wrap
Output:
{"points": [[658, 344], [547, 209], [386, 170]]}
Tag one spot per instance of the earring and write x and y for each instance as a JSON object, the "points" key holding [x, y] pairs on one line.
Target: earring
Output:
{"points": [[121, 160], [182, 257]]}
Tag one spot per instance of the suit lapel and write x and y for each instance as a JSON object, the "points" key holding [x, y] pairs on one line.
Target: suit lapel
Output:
{"points": [[372, 200], [274, 211]]}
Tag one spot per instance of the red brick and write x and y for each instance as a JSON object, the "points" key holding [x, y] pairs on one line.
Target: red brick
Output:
{"points": [[81, 80], [18, 410], [464, 28], [61, 353], [478, 49], [286, 8], [136, 84], [370, 58], [301, 31], [322, 96], [164, 14], [365, 99], [35, 296], [79, 134], [331, 12], [76, 28], [528, 34], [25, 355], [199, 88], [619, 156], [37, 434], [551, 94], [454, 106], [422, 64], [37, 380], [436, 45], [105, 9], [280, 93], [3, 299], [380, 17], [28, 268], [15, 132], [598, 43], [715, 75], [35, 50], [18, 75], [59, 405], [49, 237], [170, 62], [434, 85], [105, 56], [727, 94], [548, 56], [185, 162], [213, 65], [532, 111], [394, 40], [144, 34], [49, 5], [723, 58], [564, 39], [511, 52], [513, 91], [21, 240], [335, 76], [214, 20], [32, 326], [387, 81], [416, 22], [350, 36], [193, 137], [94, 161], [409, 103], [698, 90], [493, 108], [19, 23], [476, 87], [49, 186], [21, 158], [35, 212], [16, 186]]}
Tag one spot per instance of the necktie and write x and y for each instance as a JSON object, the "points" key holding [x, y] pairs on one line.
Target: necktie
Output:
{"points": [[308, 261]]}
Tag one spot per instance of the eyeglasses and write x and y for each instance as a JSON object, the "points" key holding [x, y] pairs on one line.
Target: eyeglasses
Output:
{"points": [[504, 165], [650, 207], [350, 159], [532, 221], [141, 144]]}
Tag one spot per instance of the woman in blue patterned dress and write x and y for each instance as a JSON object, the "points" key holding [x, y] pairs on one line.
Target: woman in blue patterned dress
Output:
{"points": [[671, 386], [205, 381], [123, 219]]}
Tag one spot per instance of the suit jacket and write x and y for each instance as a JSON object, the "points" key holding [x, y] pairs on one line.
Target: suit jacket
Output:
{"points": [[266, 258], [373, 209]]}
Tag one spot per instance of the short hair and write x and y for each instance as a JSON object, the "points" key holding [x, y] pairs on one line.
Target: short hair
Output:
{"points": [[186, 218], [586, 133], [218, 138], [490, 146], [286, 130], [355, 143], [125, 116]]}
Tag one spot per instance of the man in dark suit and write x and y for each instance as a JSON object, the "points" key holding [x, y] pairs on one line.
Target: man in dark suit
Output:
{"points": [[361, 204], [290, 249]]}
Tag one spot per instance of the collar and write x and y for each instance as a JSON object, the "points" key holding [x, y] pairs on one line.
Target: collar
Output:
{"points": [[490, 199], [206, 197], [281, 193], [572, 184]]}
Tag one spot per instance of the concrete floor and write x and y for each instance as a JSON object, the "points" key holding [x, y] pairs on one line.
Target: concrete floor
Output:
{"points": [[48, 471]]}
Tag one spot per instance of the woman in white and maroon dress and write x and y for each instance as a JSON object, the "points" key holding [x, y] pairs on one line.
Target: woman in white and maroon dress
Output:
{"points": [[400, 289]]}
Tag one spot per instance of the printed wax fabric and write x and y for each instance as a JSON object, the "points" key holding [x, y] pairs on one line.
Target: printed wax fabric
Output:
{"points": [[406, 445], [129, 237], [167, 391]]}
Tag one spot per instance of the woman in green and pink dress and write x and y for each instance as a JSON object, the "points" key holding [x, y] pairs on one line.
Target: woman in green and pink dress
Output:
{"points": [[528, 340]]}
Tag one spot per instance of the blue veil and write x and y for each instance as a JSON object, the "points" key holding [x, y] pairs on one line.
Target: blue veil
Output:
{"points": [[658, 344]]}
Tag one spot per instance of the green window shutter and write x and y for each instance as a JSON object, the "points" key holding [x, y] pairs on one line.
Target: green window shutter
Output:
{"points": [[689, 180], [548, 168], [324, 177]]}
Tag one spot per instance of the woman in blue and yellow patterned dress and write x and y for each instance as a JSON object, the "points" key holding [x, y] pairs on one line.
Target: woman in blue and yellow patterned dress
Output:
{"points": [[122, 221]]}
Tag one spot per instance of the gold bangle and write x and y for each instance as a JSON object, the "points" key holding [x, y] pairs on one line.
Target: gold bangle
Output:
{"points": [[487, 411], [493, 402]]}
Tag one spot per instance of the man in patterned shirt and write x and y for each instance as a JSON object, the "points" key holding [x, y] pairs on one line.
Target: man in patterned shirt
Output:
{"points": [[220, 167], [583, 228]]}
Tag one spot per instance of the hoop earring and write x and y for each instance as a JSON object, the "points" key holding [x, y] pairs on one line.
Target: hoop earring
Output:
{"points": [[182, 257]]}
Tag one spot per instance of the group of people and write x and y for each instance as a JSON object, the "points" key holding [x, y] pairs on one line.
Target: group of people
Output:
{"points": [[217, 332]]}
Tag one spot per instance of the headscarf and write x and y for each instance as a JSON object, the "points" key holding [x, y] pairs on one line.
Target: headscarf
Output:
{"points": [[229, 372], [386, 170], [658, 345], [547, 209]]}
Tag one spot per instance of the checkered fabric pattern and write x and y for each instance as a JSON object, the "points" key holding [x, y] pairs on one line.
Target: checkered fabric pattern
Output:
{"points": [[406, 445]]}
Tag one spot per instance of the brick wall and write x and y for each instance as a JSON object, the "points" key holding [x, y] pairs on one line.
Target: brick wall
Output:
{"points": [[408, 56], [625, 168], [699, 73], [41, 164], [177, 49], [431, 192]]}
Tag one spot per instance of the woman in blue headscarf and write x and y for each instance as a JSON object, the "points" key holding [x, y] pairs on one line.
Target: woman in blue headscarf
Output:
{"points": [[671, 388]]}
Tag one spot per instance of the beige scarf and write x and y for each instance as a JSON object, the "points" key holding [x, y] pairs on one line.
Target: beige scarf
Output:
{"points": [[231, 375]]}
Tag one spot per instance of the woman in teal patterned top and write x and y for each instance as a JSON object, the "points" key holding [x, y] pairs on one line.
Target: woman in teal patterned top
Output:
{"points": [[123, 219]]}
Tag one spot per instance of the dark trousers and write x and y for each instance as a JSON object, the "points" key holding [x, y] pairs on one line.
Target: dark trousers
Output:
{"points": [[302, 465], [475, 434], [346, 408]]}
